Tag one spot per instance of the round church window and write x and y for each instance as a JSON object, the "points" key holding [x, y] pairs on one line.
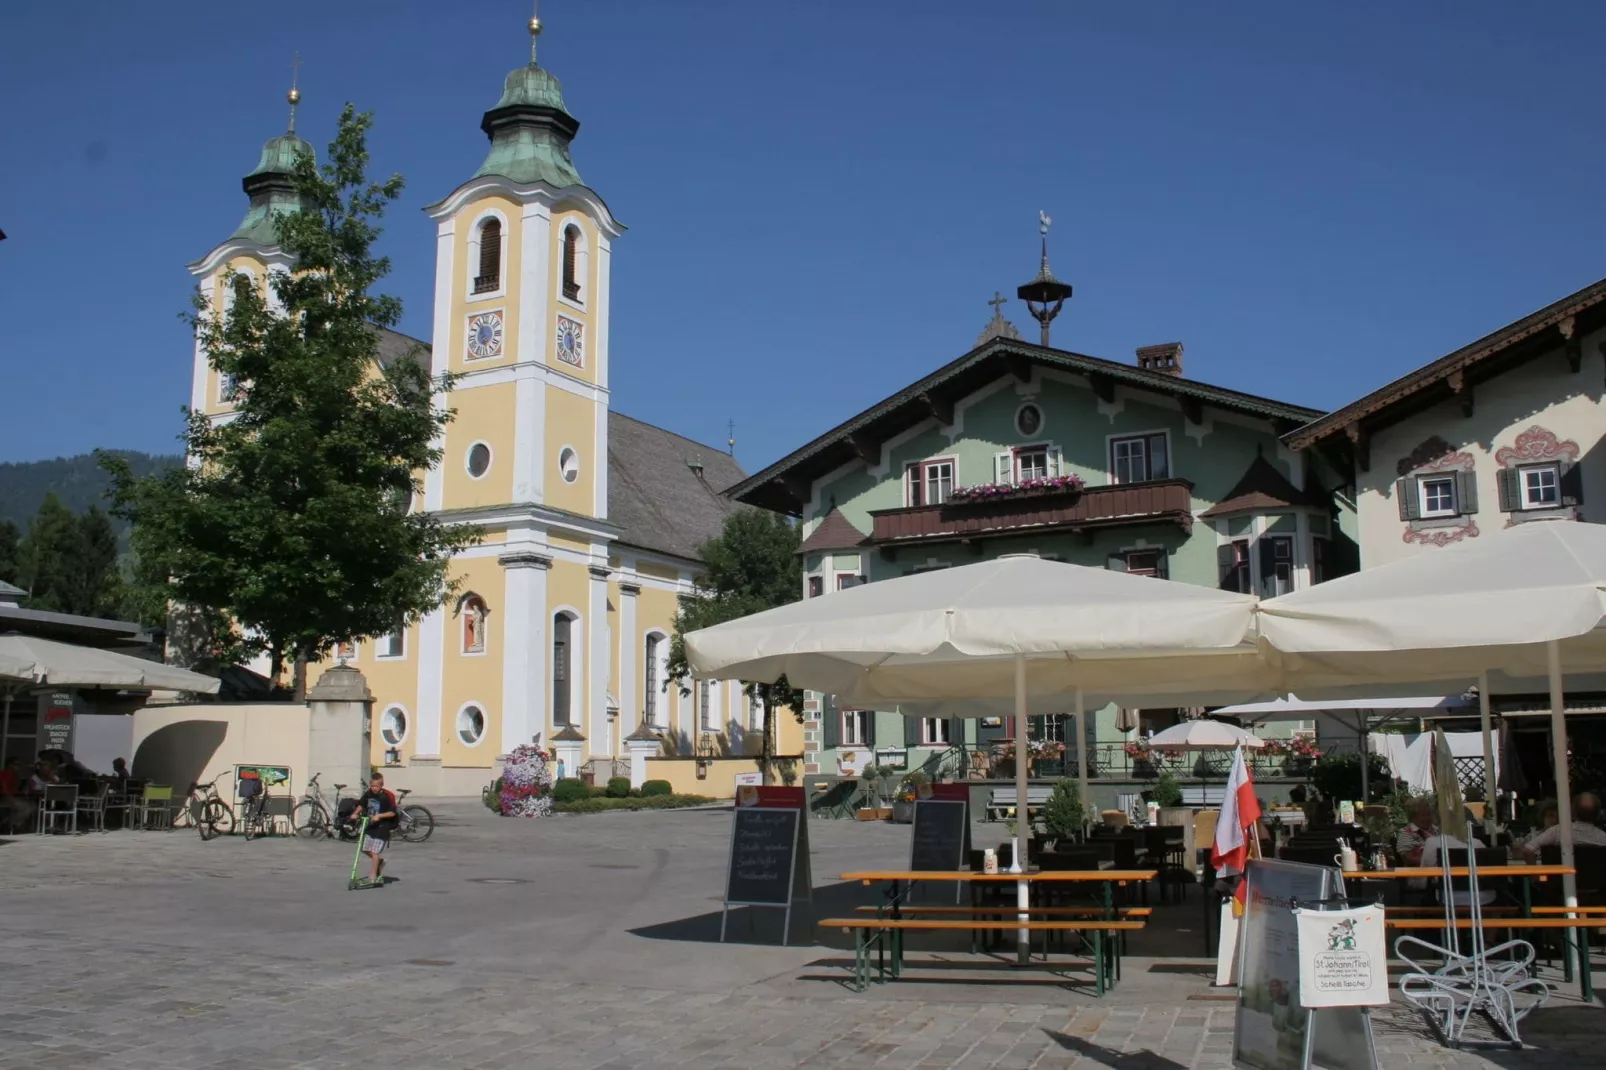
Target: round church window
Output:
{"points": [[479, 459], [569, 464]]}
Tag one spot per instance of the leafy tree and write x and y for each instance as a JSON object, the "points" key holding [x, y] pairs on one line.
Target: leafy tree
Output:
{"points": [[750, 567], [293, 518], [10, 562]]}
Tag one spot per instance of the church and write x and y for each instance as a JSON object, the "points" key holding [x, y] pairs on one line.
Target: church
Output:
{"points": [[559, 630]]}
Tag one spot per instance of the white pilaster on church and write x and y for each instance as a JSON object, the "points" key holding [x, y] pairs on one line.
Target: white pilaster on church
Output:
{"points": [[535, 312], [440, 355], [630, 705], [596, 730], [525, 638], [431, 660]]}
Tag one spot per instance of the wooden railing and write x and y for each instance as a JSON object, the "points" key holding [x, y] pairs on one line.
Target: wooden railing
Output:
{"points": [[1161, 500]]}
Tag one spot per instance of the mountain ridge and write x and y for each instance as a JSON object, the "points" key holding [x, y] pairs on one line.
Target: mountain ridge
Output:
{"points": [[78, 481]]}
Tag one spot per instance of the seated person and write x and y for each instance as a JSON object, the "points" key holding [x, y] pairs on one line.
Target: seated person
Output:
{"points": [[120, 768], [1586, 827], [44, 775], [15, 807], [1411, 839]]}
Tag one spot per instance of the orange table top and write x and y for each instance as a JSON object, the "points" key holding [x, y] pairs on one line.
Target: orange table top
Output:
{"points": [[1429, 872], [1118, 875]]}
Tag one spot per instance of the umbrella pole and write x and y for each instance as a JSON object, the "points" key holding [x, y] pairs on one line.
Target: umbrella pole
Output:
{"points": [[1081, 757], [1491, 811], [1564, 788], [1023, 815]]}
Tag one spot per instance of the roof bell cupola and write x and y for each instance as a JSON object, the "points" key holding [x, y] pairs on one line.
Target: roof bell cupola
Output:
{"points": [[1045, 295], [530, 128], [272, 186]]}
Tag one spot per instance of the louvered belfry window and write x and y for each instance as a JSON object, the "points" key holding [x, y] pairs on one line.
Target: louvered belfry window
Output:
{"points": [[490, 276], [571, 253]]}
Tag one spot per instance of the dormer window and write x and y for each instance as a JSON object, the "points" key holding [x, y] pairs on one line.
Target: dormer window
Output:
{"points": [[490, 277], [571, 258]]}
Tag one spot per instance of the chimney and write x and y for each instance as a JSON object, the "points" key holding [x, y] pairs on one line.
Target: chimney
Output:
{"points": [[1165, 358]]}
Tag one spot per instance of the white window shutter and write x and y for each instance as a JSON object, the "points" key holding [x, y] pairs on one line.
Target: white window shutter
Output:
{"points": [[1053, 460], [1004, 468]]}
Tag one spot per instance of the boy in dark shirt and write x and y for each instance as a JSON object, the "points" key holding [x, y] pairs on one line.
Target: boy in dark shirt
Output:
{"points": [[379, 806]]}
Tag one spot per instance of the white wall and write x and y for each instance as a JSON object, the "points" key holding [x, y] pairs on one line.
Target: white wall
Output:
{"points": [[1543, 393]]}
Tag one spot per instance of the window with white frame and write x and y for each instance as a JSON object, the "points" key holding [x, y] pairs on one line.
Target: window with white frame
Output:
{"points": [[1031, 462], [816, 586], [705, 713], [1277, 565], [844, 581], [1138, 458], [1235, 575], [857, 728], [394, 643], [649, 704], [1438, 495], [1151, 563], [934, 731], [928, 482], [1541, 486]]}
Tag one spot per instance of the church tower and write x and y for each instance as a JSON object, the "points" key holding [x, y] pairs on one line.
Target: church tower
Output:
{"points": [[252, 251], [521, 318]]}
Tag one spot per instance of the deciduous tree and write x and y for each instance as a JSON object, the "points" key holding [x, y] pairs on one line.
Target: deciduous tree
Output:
{"points": [[294, 517]]}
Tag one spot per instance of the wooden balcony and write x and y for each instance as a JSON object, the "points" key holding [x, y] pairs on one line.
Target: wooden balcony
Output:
{"points": [[1162, 501]]}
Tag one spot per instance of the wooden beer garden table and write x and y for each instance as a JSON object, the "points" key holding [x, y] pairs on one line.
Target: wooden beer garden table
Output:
{"points": [[899, 879]]}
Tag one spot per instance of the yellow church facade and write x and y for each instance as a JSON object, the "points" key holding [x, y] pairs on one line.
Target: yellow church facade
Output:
{"points": [[558, 630]]}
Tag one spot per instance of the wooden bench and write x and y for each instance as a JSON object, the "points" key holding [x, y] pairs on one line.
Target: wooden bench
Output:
{"points": [[1002, 911], [1586, 912], [870, 933], [1002, 801]]}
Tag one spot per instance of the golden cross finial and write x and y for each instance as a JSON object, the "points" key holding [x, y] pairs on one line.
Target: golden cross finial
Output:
{"points": [[535, 28], [294, 96]]}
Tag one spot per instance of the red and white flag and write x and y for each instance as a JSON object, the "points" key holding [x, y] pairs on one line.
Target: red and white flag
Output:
{"points": [[1239, 812]]}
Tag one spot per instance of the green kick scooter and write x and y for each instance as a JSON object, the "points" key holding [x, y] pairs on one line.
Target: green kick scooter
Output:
{"points": [[359, 882]]}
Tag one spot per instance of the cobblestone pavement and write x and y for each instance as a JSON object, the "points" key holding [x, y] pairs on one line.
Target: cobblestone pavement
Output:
{"points": [[586, 942]]}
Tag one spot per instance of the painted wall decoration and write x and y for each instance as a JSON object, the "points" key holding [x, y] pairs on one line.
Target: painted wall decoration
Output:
{"points": [[1434, 454], [1535, 445]]}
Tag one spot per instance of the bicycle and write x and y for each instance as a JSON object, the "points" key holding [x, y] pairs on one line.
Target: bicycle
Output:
{"points": [[257, 820], [205, 809], [313, 817], [415, 823]]}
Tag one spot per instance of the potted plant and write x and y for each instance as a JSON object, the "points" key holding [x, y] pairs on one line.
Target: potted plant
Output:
{"points": [[1004, 761], [903, 804], [1142, 758], [1064, 816], [873, 808]]}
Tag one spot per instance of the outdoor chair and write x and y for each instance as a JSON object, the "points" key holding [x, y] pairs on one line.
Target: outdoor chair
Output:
{"points": [[155, 805], [835, 800], [59, 806], [92, 805], [120, 800]]}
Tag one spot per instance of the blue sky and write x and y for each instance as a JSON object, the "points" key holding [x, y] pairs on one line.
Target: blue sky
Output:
{"points": [[1314, 198]]}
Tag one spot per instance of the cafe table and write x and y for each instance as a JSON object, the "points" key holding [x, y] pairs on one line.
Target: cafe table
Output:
{"points": [[899, 879], [1527, 874]]}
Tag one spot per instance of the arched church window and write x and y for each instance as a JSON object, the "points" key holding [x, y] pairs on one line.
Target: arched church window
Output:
{"points": [[475, 624], [490, 276], [571, 257], [561, 674]]}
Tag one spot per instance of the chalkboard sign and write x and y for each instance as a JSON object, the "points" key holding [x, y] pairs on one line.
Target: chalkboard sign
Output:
{"points": [[1272, 1030], [765, 869], [941, 836]]}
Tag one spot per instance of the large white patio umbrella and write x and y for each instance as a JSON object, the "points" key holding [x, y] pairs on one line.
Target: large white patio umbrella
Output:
{"points": [[1014, 633], [1522, 602], [33, 661]]}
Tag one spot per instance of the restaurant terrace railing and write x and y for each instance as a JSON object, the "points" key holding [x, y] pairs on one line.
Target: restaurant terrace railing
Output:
{"points": [[1056, 509]]}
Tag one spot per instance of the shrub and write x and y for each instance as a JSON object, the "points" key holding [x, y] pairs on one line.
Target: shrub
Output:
{"points": [[570, 789], [651, 788], [655, 802], [1063, 813], [492, 796], [1338, 776], [1167, 792], [618, 787]]}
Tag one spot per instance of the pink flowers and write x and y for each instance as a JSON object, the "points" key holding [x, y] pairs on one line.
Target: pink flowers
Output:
{"points": [[991, 491]]}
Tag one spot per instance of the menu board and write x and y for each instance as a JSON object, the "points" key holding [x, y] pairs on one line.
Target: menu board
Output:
{"points": [[763, 852], [56, 720], [1273, 1031], [941, 835]]}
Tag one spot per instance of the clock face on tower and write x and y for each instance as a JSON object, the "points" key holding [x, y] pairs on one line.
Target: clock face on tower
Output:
{"points": [[571, 342], [485, 335]]}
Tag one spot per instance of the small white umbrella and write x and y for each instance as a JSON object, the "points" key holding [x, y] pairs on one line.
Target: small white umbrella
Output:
{"points": [[1204, 734], [1016, 630]]}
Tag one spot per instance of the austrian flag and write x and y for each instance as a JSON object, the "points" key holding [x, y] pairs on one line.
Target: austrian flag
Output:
{"points": [[1239, 812]]}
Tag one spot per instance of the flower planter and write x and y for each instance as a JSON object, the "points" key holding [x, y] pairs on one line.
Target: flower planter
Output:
{"points": [[867, 813], [903, 812], [884, 813]]}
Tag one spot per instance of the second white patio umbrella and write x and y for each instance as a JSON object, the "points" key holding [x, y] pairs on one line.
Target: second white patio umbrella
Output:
{"points": [[1521, 603], [1017, 631], [1204, 734]]}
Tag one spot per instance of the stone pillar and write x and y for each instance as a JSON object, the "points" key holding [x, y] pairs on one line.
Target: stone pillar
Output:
{"points": [[643, 743], [338, 728], [596, 704], [524, 634], [568, 747]]}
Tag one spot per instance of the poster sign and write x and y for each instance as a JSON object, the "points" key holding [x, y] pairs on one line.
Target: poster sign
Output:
{"points": [[1274, 1029], [769, 861], [56, 720], [1343, 958], [749, 780]]}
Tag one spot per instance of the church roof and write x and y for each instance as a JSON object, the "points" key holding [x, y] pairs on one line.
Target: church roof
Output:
{"points": [[530, 129], [394, 346], [657, 495], [836, 532], [1263, 486]]}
